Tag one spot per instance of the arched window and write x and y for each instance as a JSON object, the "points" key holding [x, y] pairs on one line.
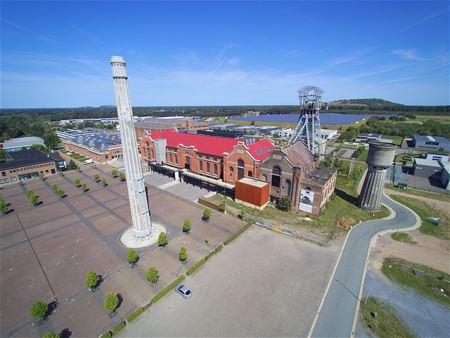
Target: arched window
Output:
{"points": [[250, 174], [241, 168], [264, 177], [287, 187], [231, 172], [276, 176]]}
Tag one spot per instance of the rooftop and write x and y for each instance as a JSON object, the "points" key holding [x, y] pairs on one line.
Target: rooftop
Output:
{"points": [[428, 138], [212, 145], [299, 155], [253, 182], [429, 163], [369, 135], [95, 140], [21, 142], [318, 176], [23, 158]]}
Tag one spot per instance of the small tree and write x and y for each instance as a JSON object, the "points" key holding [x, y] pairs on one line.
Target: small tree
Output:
{"points": [[111, 301], [183, 254], [84, 187], [50, 335], [152, 274], [206, 214], [72, 165], [54, 186], [221, 207], [39, 310], [132, 256], [92, 280], [284, 203], [104, 183], [122, 176], [76, 182], [96, 178], [114, 172], [187, 225], [3, 206], [162, 239], [60, 193], [33, 198], [42, 176]]}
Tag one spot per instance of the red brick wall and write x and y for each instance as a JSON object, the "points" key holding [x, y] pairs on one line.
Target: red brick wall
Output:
{"points": [[231, 168]]}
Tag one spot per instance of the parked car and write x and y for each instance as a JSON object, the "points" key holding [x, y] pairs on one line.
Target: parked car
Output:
{"points": [[184, 291]]}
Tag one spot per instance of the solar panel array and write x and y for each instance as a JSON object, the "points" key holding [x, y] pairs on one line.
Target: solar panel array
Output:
{"points": [[97, 141]]}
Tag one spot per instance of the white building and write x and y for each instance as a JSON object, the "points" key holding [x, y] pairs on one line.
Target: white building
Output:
{"points": [[282, 132], [328, 134]]}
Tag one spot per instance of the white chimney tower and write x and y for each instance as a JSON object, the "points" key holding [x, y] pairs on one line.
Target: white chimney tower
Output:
{"points": [[140, 215]]}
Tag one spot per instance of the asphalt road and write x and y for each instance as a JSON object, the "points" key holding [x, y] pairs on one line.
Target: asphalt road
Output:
{"points": [[339, 307]]}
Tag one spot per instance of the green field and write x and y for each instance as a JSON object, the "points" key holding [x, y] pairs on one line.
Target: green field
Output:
{"points": [[421, 193], [403, 237]]}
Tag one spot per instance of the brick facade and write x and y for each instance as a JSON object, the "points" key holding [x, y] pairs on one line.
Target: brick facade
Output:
{"points": [[97, 156]]}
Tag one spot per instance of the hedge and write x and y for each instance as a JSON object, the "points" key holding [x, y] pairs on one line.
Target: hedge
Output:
{"points": [[166, 290], [135, 314], [196, 266], [106, 335], [116, 329], [218, 249], [237, 234]]}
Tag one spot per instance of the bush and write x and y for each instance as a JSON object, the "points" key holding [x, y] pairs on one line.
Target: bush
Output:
{"points": [[84, 187], [55, 187], [221, 207], [114, 172], [72, 165], [206, 214], [135, 314], [42, 176], [50, 335], [237, 234], [39, 310], [122, 176], [106, 335], [196, 266], [32, 198], [3, 206], [187, 225], [152, 274], [76, 182], [182, 254], [162, 239], [284, 203], [60, 193], [96, 178], [166, 290], [92, 279], [116, 329], [111, 301], [104, 183], [218, 249], [132, 256]]}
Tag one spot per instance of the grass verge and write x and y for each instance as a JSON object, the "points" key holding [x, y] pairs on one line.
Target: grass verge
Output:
{"points": [[237, 234], [403, 237], [420, 193], [440, 231], [424, 280], [166, 290], [135, 314], [382, 320]]}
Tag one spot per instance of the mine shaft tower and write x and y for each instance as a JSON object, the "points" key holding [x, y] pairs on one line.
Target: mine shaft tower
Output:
{"points": [[308, 125]]}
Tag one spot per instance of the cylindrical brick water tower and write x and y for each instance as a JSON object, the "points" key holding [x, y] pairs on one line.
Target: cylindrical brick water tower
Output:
{"points": [[380, 157]]}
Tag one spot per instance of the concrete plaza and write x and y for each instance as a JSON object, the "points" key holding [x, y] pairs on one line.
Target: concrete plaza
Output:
{"points": [[45, 251]]}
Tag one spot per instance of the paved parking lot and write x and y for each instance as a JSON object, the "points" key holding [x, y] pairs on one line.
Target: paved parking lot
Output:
{"points": [[262, 284], [46, 251]]}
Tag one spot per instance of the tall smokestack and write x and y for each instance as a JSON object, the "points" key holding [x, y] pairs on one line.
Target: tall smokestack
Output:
{"points": [[140, 215]]}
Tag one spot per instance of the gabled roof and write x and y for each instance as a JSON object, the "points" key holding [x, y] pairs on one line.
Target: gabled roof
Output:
{"points": [[212, 145], [299, 155]]}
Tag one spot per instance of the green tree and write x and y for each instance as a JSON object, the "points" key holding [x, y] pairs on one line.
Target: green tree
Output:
{"points": [[122, 176], [92, 279], [96, 178], [39, 310], [132, 256], [54, 186], [3, 206], [114, 172], [104, 183], [32, 198], [221, 207], [72, 165], [60, 193], [162, 239], [51, 140], [206, 214], [77, 182], [111, 301], [284, 203], [152, 274], [187, 225], [183, 254], [42, 176], [50, 335], [84, 187]]}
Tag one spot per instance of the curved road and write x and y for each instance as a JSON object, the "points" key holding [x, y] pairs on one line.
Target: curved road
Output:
{"points": [[338, 309]]}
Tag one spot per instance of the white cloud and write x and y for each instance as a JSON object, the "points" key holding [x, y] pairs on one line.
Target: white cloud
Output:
{"points": [[407, 54]]}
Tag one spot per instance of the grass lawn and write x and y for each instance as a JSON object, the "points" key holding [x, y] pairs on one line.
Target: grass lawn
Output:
{"points": [[441, 231], [403, 237], [421, 193], [397, 140], [382, 320], [445, 118], [423, 279]]}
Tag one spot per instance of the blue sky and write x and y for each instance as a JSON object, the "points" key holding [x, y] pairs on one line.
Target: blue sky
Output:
{"points": [[56, 54]]}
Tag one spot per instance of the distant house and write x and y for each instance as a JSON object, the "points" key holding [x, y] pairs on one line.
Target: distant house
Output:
{"points": [[431, 142], [426, 168], [437, 157], [367, 137], [328, 134]]}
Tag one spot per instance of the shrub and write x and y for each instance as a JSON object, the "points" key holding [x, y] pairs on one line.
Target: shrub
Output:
{"points": [[114, 172], [111, 301], [84, 187], [3, 206], [39, 310], [55, 186], [221, 207], [72, 165], [166, 290], [284, 203], [42, 176], [135, 314], [152, 274], [116, 329], [122, 176], [96, 178], [106, 335], [162, 239], [218, 249], [60, 193], [76, 182], [237, 234], [32, 198], [206, 214], [50, 335], [132, 256], [92, 279], [182, 254], [187, 225], [104, 183], [197, 265]]}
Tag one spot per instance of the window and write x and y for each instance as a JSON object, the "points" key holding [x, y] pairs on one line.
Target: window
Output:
{"points": [[241, 168], [276, 176], [287, 187], [200, 165], [208, 169], [231, 172], [215, 169], [176, 159], [250, 174]]}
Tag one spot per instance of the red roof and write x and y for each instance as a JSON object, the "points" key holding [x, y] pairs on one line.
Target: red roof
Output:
{"points": [[212, 145]]}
